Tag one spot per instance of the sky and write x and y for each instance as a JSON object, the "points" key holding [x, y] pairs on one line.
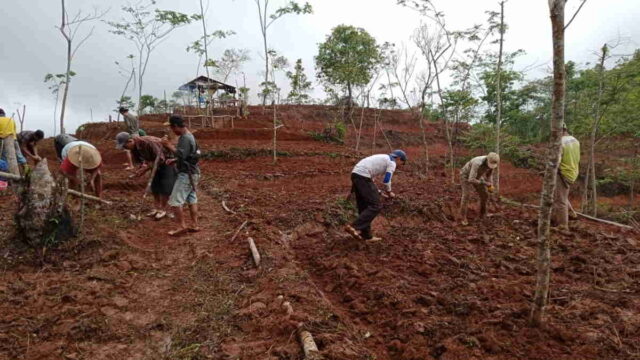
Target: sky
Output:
{"points": [[32, 46]]}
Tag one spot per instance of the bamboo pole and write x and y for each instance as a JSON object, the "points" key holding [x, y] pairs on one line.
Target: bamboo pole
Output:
{"points": [[81, 190], [69, 191], [239, 229]]}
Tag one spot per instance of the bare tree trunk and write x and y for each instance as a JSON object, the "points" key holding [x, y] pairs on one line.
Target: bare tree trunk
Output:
{"points": [[551, 170], [204, 30], [499, 98], [360, 129], [68, 73], [592, 190], [275, 134]]}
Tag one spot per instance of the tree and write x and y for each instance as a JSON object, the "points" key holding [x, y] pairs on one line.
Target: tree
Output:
{"points": [[55, 83], [347, 58], [501, 30], [69, 27], [146, 27], [267, 19], [271, 90], [147, 101], [125, 101], [556, 9], [132, 73], [230, 62], [300, 86]]}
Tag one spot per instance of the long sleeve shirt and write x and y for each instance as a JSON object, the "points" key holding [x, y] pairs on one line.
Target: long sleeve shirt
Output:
{"points": [[148, 148], [377, 165], [476, 169]]}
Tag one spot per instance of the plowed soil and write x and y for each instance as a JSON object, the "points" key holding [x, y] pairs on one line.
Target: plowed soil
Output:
{"points": [[431, 289]]}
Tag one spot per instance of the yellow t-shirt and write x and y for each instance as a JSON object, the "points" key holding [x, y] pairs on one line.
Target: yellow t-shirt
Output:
{"points": [[7, 127], [570, 159]]}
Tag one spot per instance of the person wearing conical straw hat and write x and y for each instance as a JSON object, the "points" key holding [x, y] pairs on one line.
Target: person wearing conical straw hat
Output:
{"points": [[81, 153], [477, 174]]}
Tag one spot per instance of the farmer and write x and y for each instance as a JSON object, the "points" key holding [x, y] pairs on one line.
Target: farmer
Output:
{"points": [[477, 174], [133, 128], [567, 175], [186, 154], [367, 194], [78, 153], [149, 152], [8, 128], [28, 141], [60, 141]]}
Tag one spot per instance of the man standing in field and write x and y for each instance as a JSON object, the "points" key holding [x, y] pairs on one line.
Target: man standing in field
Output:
{"points": [[133, 128], [186, 154], [28, 141], [367, 194], [567, 175], [477, 174], [149, 152]]}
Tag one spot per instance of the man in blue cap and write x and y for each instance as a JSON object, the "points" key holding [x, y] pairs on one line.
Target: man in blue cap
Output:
{"points": [[367, 194]]}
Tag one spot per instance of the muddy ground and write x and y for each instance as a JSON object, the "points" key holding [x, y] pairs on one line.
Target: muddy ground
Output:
{"points": [[432, 289]]}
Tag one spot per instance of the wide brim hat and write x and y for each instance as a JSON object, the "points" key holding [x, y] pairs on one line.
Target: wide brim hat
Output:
{"points": [[91, 158]]}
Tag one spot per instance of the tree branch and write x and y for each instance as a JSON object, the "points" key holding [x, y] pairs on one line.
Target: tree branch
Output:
{"points": [[575, 14]]}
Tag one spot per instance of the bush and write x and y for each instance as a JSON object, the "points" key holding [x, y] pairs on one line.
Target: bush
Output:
{"points": [[482, 136]]}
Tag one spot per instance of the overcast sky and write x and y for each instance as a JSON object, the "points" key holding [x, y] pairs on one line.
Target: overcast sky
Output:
{"points": [[33, 47]]}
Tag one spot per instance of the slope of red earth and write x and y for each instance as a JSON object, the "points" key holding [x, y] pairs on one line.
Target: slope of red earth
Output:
{"points": [[432, 289]]}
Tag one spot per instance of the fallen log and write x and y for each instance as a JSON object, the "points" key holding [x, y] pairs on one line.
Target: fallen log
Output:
{"points": [[309, 346], [608, 222], [88, 197], [254, 252], [239, 229], [224, 206]]}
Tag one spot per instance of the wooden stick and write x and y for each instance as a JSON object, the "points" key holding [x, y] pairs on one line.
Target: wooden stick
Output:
{"points": [[224, 206], [308, 344], [512, 202], [254, 252], [86, 196], [10, 176], [239, 229]]}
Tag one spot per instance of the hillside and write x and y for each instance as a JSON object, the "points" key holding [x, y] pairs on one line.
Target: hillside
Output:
{"points": [[432, 289]]}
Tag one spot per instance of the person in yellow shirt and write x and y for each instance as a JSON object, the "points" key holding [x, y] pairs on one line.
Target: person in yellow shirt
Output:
{"points": [[567, 175], [8, 128]]}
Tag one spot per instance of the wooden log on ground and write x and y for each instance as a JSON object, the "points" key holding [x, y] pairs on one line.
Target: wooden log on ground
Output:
{"points": [[88, 197], [254, 252], [239, 229], [309, 346], [224, 206]]}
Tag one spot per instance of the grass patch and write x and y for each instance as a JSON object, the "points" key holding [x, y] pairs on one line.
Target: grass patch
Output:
{"points": [[341, 212], [241, 153]]}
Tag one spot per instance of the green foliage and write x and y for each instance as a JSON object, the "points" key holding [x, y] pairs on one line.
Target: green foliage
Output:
{"points": [[300, 85], [56, 81], [231, 61], [347, 58], [333, 133], [292, 7], [482, 136], [147, 101], [269, 89], [125, 101]]}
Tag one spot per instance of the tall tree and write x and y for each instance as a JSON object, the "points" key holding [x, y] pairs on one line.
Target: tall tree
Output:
{"points": [[501, 30], [300, 85], [540, 299], [69, 27], [56, 81], [130, 74], [230, 62], [146, 27], [267, 19], [347, 58]]}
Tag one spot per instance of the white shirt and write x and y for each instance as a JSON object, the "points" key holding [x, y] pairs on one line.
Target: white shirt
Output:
{"points": [[376, 165], [66, 148]]}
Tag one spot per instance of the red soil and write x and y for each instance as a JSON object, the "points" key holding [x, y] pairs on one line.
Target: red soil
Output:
{"points": [[432, 289]]}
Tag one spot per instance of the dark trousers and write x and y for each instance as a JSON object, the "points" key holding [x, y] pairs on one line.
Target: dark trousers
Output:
{"points": [[369, 205]]}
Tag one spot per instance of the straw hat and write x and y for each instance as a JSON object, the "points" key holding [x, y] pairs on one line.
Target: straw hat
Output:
{"points": [[493, 160], [90, 157]]}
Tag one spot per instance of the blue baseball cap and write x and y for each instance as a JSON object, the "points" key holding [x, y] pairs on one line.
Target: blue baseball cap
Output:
{"points": [[399, 154]]}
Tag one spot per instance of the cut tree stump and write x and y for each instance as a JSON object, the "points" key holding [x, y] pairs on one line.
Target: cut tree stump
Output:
{"points": [[254, 252], [42, 218]]}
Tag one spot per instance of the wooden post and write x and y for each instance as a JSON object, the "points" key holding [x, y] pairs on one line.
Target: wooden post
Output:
{"points": [[308, 345], [81, 191], [254, 252], [9, 145]]}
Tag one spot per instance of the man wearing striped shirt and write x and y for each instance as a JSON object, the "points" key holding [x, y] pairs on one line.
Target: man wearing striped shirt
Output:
{"points": [[367, 194]]}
